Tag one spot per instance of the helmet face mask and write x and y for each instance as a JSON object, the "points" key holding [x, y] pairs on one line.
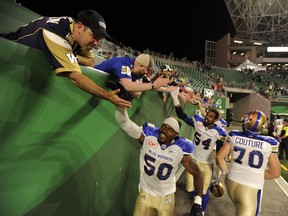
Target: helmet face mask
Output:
{"points": [[255, 121], [217, 189]]}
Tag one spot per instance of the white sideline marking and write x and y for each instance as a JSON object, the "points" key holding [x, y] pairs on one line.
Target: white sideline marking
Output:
{"points": [[280, 181]]}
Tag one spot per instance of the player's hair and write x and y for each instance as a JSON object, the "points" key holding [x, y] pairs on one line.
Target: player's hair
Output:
{"points": [[214, 111]]}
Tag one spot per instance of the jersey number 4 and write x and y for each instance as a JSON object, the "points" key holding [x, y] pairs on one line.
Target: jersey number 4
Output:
{"points": [[205, 143]]}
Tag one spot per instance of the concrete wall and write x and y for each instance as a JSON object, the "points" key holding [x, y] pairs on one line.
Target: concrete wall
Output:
{"points": [[250, 102], [222, 51]]}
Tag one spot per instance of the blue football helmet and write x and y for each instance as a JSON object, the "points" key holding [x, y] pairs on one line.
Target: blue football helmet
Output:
{"points": [[255, 121]]}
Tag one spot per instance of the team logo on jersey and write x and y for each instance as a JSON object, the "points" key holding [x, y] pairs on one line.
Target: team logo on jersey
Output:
{"points": [[151, 144], [126, 70], [143, 196], [71, 58], [173, 152], [168, 200]]}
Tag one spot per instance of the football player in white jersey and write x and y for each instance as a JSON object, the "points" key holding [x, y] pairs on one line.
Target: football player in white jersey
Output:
{"points": [[206, 135], [254, 159], [162, 150]]}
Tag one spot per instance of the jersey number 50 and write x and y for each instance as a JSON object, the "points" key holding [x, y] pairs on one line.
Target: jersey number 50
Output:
{"points": [[163, 172]]}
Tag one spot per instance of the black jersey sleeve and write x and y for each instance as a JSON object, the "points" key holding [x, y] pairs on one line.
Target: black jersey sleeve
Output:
{"points": [[180, 113]]}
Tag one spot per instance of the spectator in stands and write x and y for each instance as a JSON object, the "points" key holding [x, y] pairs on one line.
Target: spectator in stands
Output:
{"points": [[254, 159], [162, 150], [109, 55], [206, 135], [167, 72], [115, 53], [66, 43], [129, 72], [193, 97], [186, 94], [283, 139]]}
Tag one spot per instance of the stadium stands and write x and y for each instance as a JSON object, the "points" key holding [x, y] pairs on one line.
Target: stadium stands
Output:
{"points": [[61, 150]]}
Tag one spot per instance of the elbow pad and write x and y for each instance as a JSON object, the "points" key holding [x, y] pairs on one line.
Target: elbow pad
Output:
{"points": [[180, 113], [126, 124]]}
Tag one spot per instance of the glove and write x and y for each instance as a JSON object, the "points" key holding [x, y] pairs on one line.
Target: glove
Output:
{"points": [[223, 174], [174, 95], [196, 210]]}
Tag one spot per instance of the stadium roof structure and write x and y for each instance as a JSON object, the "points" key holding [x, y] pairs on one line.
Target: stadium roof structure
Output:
{"points": [[247, 64], [264, 21]]}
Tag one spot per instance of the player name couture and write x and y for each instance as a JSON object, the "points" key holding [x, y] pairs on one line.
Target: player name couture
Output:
{"points": [[249, 142]]}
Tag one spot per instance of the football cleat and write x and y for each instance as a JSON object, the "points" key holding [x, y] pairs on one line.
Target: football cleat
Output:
{"points": [[196, 210], [255, 121], [217, 189]]}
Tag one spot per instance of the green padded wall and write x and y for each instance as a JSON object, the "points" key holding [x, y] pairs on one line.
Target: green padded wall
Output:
{"points": [[61, 151]]}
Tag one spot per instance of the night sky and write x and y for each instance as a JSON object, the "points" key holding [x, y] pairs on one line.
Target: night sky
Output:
{"points": [[160, 26]]}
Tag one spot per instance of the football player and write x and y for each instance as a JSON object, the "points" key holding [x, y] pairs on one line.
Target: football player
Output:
{"points": [[207, 134], [254, 159], [162, 150]]}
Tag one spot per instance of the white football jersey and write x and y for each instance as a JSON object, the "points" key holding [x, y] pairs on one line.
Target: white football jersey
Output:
{"points": [[250, 153], [159, 163], [204, 138]]}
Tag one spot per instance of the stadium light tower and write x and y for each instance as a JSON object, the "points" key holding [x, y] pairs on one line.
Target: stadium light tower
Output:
{"points": [[260, 20]]}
